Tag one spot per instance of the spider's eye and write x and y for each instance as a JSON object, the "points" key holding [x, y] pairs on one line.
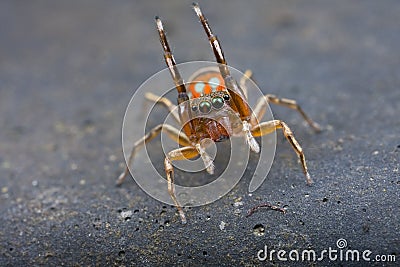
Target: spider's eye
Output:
{"points": [[226, 97], [205, 107], [217, 102], [194, 108]]}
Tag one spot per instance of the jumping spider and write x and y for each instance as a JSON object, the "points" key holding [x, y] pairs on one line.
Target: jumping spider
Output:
{"points": [[224, 100]]}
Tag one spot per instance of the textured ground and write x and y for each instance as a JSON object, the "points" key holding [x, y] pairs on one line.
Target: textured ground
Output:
{"points": [[68, 70]]}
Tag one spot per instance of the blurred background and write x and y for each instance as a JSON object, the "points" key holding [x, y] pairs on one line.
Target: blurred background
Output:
{"points": [[68, 70]]}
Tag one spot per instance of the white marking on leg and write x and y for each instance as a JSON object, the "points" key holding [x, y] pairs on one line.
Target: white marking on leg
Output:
{"points": [[250, 138], [208, 162]]}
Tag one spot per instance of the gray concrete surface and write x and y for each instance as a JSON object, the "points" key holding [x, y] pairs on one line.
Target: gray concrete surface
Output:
{"points": [[68, 69]]}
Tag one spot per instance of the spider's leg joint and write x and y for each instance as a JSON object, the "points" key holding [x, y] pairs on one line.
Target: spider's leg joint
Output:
{"points": [[208, 161], [254, 146]]}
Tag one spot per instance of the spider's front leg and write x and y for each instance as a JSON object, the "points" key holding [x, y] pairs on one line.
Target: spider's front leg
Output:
{"points": [[182, 153], [172, 132], [268, 127], [239, 102]]}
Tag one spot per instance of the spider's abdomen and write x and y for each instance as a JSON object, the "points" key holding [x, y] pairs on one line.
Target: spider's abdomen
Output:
{"points": [[205, 81]]}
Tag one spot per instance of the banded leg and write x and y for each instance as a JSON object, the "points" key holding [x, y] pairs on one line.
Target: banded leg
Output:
{"points": [[166, 102], [172, 132], [184, 112], [239, 102], [261, 107], [182, 153], [268, 127], [237, 93], [169, 58]]}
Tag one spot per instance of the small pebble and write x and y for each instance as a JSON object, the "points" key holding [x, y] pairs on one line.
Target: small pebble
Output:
{"points": [[222, 225], [237, 204], [126, 214]]}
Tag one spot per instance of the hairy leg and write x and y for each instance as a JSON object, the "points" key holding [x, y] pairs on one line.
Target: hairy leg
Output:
{"points": [[172, 132], [268, 127]]}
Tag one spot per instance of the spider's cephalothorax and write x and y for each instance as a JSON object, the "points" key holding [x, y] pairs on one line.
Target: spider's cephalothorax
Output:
{"points": [[215, 107], [213, 117], [211, 107]]}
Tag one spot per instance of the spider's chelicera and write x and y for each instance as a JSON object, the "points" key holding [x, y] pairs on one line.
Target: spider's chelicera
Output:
{"points": [[213, 105]]}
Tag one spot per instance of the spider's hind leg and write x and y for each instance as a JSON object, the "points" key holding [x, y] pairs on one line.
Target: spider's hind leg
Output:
{"points": [[172, 132], [182, 153]]}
